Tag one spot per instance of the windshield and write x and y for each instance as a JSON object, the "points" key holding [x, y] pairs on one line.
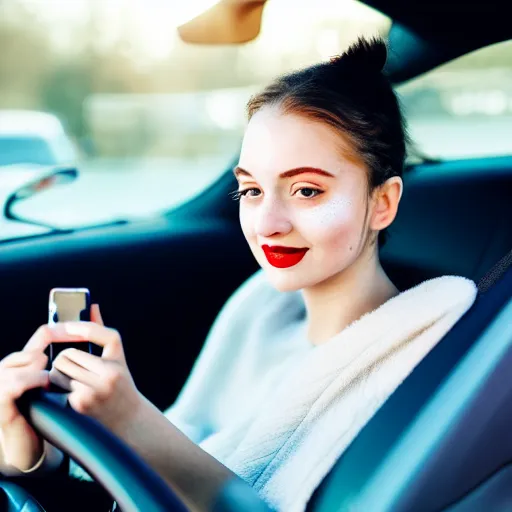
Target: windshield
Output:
{"points": [[156, 119]]}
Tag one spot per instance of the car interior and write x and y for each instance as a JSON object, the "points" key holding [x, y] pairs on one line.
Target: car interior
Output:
{"points": [[441, 441]]}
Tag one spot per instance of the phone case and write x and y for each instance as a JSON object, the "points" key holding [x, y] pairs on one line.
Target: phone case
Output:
{"points": [[68, 304]]}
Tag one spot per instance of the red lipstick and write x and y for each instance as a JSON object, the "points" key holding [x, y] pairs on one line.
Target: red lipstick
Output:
{"points": [[283, 257]]}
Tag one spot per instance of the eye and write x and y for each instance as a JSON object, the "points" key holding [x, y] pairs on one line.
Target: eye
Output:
{"points": [[238, 194], [315, 192]]}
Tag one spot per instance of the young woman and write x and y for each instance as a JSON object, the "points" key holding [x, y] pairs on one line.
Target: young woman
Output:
{"points": [[307, 349]]}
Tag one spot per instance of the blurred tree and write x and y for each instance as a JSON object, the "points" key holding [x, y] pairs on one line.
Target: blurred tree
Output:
{"points": [[24, 57], [63, 92]]}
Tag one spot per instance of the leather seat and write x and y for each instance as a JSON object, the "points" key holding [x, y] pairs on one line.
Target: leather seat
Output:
{"points": [[454, 218]]}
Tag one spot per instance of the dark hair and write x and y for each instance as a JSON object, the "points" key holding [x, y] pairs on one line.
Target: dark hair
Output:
{"points": [[350, 93]]}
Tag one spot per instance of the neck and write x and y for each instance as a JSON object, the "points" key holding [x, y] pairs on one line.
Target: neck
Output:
{"points": [[338, 301]]}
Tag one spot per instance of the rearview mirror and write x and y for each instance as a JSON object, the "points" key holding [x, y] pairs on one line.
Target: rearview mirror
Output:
{"points": [[57, 176], [227, 22]]}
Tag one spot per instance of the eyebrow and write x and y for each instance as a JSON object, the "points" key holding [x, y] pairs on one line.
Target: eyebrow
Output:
{"points": [[238, 171]]}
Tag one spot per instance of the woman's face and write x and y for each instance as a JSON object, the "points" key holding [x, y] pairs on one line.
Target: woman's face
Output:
{"points": [[323, 211]]}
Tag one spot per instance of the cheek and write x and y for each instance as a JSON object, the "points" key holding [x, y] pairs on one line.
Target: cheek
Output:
{"points": [[325, 219], [330, 226], [246, 222]]}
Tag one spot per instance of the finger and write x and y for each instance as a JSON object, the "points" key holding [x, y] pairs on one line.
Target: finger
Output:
{"points": [[82, 397], [13, 389], [78, 386], [18, 359], [47, 334], [96, 315], [90, 362], [103, 336], [20, 380], [59, 379], [76, 371]]}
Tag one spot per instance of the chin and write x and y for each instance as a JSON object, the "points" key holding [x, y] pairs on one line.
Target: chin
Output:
{"points": [[285, 280], [291, 280]]}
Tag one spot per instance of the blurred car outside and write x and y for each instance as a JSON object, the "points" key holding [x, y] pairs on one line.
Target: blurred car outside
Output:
{"points": [[33, 137], [31, 143]]}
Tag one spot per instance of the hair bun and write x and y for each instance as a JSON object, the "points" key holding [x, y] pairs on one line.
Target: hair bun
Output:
{"points": [[364, 55]]}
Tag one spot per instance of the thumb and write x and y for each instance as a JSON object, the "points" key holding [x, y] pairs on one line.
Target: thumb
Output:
{"points": [[96, 315]]}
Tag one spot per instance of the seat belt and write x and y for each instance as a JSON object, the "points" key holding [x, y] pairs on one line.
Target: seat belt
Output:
{"points": [[495, 273]]}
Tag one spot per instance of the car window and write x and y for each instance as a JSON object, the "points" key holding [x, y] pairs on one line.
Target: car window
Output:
{"points": [[463, 109], [156, 120], [23, 149]]}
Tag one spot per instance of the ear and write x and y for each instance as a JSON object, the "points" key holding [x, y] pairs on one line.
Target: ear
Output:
{"points": [[386, 198]]}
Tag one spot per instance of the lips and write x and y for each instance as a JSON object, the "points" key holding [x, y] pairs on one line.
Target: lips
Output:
{"points": [[283, 257]]}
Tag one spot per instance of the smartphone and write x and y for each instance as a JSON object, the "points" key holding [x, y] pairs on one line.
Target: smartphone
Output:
{"points": [[69, 305]]}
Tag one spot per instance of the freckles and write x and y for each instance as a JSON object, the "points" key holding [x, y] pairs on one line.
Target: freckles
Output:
{"points": [[335, 215], [327, 227]]}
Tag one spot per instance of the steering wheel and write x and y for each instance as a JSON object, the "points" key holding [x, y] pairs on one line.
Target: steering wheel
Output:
{"points": [[123, 474], [18, 500]]}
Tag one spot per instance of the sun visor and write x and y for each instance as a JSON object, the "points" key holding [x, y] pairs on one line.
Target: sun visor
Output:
{"points": [[227, 22]]}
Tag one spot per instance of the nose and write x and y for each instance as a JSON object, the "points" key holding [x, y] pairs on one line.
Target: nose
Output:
{"points": [[271, 219]]}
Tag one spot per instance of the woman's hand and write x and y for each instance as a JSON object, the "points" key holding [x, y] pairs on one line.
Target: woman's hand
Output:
{"points": [[21, 447], [100, 387]]}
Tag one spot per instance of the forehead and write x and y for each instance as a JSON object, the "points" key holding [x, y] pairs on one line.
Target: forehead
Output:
{"points": [[275, 142]]}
